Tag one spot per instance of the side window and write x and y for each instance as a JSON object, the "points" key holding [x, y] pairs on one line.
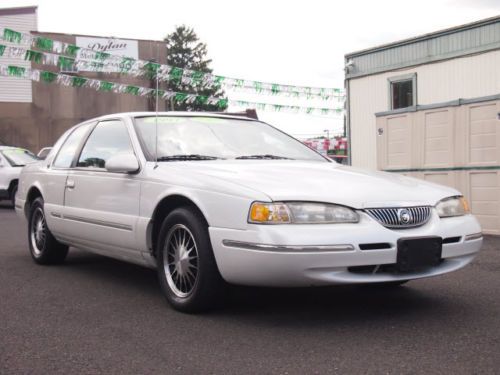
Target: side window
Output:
{"points": [[67, 152], [402, 91], [107, 139]]}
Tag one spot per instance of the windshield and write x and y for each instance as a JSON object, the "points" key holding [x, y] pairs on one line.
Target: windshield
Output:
{"points": [[18, 157], [209, 138]]}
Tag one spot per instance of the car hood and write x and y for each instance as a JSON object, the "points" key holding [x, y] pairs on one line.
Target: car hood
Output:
{"points": [[284, 180]]}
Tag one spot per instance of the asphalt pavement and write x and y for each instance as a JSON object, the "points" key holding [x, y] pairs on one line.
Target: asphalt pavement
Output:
{"points": [[97, 315]]}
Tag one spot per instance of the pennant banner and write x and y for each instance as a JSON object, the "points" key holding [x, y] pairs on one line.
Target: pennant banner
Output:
{"points": [[70, 64], [179, 97], [105, 62]]}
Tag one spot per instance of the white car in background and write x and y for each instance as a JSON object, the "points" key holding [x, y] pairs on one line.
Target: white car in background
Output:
{"points": [[212, 199], [12, 160]]}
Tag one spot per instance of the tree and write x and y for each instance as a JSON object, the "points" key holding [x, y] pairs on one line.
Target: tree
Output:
{"points": [[184, 50]]}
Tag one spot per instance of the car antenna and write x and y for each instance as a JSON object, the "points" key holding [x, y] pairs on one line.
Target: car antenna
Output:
{"points": [[156, 107]]}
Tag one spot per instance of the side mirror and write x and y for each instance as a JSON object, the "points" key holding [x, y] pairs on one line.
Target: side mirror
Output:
{"points": [[122, 163]]}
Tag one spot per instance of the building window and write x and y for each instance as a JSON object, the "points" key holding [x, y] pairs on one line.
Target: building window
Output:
{"points": [[402, 91]]}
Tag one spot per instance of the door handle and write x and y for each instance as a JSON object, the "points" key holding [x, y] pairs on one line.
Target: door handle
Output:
{"points": [[70, 184]]}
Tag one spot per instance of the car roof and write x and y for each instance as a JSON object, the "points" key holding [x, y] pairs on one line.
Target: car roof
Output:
{"points": [[173, 114]]}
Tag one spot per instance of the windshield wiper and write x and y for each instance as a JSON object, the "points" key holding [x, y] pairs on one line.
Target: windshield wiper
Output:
{"points": [[182, 157], [265, 156]]}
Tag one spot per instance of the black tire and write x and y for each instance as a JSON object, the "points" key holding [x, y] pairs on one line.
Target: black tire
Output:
{"points": [[44, 248], [13, 192], [187, 272]]}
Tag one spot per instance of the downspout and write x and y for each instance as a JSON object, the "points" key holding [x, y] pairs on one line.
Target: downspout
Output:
{"points": [[347, 129]]}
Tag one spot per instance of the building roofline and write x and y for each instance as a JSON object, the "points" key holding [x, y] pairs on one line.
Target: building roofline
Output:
{"points": [[18, 10], [96, 36], [419, 38]]}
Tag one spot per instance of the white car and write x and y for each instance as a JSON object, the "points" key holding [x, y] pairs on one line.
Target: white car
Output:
{"points": [[12, 160], [213, 199]]}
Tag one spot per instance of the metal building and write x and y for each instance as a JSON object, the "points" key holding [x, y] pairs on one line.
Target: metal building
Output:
{"points": [[429, 107]]}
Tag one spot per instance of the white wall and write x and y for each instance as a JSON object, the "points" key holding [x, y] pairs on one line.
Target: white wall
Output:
{"points": [[16, 89], [466, 77]]}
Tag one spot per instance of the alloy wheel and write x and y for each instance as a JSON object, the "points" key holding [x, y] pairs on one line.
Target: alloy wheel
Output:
{"points": [[180, 261], [38, 231]]}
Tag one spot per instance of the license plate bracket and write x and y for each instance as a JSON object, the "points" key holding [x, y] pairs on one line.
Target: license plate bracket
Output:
{"points": [[418, 252]]}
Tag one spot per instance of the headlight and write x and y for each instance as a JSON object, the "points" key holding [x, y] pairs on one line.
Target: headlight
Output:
{"points": [[454, 206], [301, 213]]}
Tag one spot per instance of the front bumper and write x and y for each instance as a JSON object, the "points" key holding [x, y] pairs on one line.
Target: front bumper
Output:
{"points": [[305, 255]]}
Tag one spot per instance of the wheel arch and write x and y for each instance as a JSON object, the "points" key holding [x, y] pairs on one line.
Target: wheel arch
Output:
{"points": [[166, 205], [33, 193], [13, 182]]}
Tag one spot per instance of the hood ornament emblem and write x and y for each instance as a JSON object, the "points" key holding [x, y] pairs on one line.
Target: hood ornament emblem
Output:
{"points": [[404, 216]]}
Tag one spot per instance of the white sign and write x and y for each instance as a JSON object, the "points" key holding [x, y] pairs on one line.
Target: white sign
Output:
{"points": [[120, 47]]}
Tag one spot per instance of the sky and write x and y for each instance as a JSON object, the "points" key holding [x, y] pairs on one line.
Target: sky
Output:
{"points": [[288, 42]]}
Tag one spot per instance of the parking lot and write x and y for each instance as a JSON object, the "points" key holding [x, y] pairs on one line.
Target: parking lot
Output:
{"points": [[94, 314]]}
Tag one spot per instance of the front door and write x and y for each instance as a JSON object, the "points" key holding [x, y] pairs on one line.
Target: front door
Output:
{"points": [[101, 208]]}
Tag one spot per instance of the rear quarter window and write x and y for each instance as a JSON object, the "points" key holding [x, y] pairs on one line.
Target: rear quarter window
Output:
{"points": [[67, 151]]}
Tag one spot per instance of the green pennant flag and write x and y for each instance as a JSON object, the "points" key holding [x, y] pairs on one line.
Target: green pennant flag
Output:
{"points": [[106, 86], [218, 81], [134, 90], [197, 77], [151, 69], [65, 63], [72, 50], [102, 55], [16, 71], [201, 99], [2, 49], [44, 44], [222, 103], [78, 81], [176, 74], [33, 56], [275, 89], [158, 93], [258, 86], [12, 36], [48, 77], [180, 96], [239, 82], [126, 64]]}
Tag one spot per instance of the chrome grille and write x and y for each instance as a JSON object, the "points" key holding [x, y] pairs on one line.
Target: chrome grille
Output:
{"points": [[401, 217]]}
